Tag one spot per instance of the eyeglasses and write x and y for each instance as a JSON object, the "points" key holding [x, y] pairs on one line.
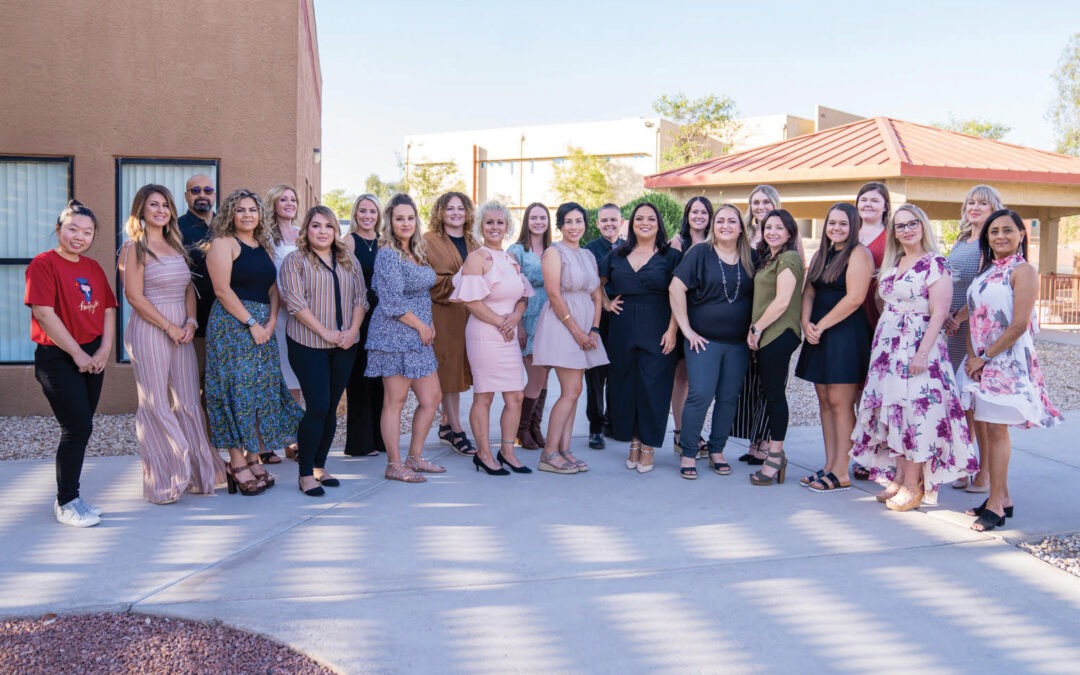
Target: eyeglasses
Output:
{"points": [[204, 190], [912, 225]]}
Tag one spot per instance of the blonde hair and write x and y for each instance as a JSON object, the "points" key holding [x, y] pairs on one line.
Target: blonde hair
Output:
{"points": [[337, 249], [438, 213], [135, 228], [749, 225], [367, 196], [416, 242], [224, 225], [273, 195], [493, 206], [894, 250], [991, 195], [742, 244]]}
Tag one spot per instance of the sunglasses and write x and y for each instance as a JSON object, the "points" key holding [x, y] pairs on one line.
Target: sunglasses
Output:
{"points": [[203, 190]]}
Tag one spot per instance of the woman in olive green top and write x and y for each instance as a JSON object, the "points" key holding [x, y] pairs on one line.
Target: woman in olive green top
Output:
{"points": [[776, 330]]}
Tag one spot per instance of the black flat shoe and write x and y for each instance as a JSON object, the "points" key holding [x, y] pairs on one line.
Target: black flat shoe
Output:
{"points": [[329, 482], [316, 491], [362, 453], [596, 441], [978, 510], [489, 471], [515, 469]]}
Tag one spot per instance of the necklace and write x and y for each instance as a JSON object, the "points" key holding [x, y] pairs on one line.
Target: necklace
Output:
{"points": [[371, 246], [723, 280]]}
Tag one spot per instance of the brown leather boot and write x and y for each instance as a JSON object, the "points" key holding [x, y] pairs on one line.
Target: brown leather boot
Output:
{"points": [[524, 435], [537, 418]]}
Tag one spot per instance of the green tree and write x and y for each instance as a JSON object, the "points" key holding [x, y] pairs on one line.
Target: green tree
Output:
{"points": [[1065, 109], [670, 210], [700, 120], [976, 126], [582, 178], [339, 202], [426, 182], [383, 190]]}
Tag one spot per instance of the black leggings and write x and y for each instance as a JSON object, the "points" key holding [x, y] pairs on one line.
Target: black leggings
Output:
{"points": [[323, 374], [73, 397], [774, 360]]}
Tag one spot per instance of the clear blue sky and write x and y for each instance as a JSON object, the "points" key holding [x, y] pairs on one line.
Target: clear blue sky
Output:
{"points": [[392, 69]]}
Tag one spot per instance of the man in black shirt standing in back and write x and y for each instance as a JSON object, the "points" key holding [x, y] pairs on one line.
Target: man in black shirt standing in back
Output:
{"points": [[609, 222], [195, 228]]}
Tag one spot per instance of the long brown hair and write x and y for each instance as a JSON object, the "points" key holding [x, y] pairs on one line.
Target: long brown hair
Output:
{"points": [[386, 233], [525, 235], [438, 213], [337, 249], [818, 269], [224, 225], [135, 229]]}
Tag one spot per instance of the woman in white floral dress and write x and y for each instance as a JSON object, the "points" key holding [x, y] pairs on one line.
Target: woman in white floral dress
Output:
{"points": [[911, 429], [1001, 377]]}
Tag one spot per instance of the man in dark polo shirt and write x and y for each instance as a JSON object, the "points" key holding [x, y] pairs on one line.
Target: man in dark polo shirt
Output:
{"points": [[609, 222], [195, 228]]}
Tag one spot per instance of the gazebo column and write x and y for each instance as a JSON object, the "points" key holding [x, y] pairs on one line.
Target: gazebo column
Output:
{"points": [[1048, 242]]}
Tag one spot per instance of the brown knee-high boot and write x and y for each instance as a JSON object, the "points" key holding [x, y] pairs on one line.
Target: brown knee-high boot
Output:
{"points": [[538, 417], [524, 435]]}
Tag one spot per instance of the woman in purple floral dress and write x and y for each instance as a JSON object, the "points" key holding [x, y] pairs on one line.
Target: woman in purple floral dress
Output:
{"points": [[1001, 377], [911, 429]]}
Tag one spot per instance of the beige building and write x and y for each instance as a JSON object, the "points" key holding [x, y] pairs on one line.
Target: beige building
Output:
{"points": [[517, 165], [101, 98]]}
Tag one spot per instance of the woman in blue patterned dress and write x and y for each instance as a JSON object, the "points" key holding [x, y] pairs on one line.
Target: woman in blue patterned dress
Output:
{"points": [[964, 260], [400, 337], [532, 241]]}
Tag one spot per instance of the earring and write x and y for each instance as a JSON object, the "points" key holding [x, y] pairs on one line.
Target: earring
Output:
{"points": [[142, 223]]}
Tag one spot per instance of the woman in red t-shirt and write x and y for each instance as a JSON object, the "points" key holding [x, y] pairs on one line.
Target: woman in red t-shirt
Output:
{"points": [[72, 322]]}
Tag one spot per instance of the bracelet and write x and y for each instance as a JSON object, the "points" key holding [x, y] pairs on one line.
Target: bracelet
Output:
{"points": [[565, 317], [193, 322]]}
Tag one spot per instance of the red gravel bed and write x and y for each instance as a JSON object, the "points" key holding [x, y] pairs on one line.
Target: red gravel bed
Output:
{"points": [[140, 644]]}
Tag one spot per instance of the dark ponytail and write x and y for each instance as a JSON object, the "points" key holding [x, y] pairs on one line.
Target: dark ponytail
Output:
{"points": [[75, 208]]}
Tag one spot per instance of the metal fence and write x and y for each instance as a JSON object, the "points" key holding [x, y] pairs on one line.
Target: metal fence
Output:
{"points": [[1059, 299]]}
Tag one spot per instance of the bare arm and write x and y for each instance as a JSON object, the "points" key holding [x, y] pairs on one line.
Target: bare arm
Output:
{"points": [[859, 272], [785, 288], [810, 330], [1025, 283], [219, 261], [108, 334], [56, 330], [131, 275]]}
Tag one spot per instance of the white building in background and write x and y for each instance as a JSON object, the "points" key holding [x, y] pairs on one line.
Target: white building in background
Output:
{"points": [[516, 165]]}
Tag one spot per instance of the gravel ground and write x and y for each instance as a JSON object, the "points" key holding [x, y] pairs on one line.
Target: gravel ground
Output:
{"points": [[135, 643], [1063, 552]]}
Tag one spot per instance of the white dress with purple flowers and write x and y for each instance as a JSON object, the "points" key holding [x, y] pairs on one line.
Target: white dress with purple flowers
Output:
{"points": [[915, 416], [1011, 389]]}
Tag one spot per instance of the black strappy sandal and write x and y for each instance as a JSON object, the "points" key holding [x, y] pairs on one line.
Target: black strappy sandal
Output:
{"points": [[461, 444], [988, 520], [446, 434], [688, 472], [828, 483]]}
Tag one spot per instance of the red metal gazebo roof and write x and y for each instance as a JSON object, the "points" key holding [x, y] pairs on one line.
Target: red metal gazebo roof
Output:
{"points": [[880, 147]]}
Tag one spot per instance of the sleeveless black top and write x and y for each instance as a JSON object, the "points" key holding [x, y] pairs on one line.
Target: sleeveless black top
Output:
{"points": [[253, 273]]}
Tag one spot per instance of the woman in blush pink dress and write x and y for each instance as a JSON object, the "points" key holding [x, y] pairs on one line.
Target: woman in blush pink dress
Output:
{"points": [[491, 285]]}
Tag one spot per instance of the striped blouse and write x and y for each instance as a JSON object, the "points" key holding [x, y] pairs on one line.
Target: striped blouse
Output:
{"points": [[332, 293]]}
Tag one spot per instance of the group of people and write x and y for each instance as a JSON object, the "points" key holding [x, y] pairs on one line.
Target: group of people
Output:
{"points": [[274, 316]]}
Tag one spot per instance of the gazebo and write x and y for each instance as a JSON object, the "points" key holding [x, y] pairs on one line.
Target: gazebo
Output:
{"points": [[931, 167]]}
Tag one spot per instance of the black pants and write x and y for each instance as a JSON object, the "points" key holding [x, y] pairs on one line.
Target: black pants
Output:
{"points": [[73, 397], [323, 374], [596, 407], [774, 360], [362, 430]]}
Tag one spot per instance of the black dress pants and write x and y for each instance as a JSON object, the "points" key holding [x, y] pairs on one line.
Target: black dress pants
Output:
{"points": [[323, 374]]}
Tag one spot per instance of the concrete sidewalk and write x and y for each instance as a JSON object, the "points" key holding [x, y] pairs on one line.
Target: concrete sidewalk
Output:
{"points": [[606, 571]]}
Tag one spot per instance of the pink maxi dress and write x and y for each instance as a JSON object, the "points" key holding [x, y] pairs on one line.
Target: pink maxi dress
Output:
{"points": [[495, 363]]}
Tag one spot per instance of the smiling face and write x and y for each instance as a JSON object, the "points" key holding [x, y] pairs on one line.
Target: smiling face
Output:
{"points": [[285, 208], [365, 217], [247, 216], [646, 223], [75, 234], [837, 228], [403, 223], [538, 220], [775, 234], [454, 216], [493, 226], [871, 207], [573, 228], [698, 217], [1004, 236], [760, 205], [608, 221], [977, 209], [199, 194], [728, 225], [155, 211], [908, 229], [321, 233]]}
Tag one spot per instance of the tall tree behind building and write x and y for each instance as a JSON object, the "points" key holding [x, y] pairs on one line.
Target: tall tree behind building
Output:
{"points": [[582, 178], [700, 120], [1065, 109], [976, 126]]}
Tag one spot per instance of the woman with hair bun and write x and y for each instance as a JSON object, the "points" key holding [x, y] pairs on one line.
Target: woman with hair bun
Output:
{"points": [[72, 321], [169, 423]]}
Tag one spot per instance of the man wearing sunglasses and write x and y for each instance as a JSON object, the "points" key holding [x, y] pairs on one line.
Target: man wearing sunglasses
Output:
{"points": [[200, 196]]}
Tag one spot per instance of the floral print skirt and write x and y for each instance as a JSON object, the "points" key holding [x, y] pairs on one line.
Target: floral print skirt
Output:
{"points": [[246, 396]]}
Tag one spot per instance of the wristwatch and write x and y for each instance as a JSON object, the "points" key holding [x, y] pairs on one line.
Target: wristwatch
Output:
{"points": [[754, 330], [250, 322], [981, 353], [595, 329]]}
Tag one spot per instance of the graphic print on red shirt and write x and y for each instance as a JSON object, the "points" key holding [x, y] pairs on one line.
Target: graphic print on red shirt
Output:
{"points": [[78, 292]]}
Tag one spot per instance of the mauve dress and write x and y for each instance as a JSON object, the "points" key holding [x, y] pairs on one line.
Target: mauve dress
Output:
{"points": [[553, 345], [495, 363], [169, 423]]}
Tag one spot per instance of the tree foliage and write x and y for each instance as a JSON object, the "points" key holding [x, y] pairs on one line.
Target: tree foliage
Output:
{"points": [[339, 202], [383, 190], [426, 182], [976, 126], [582, 178], [1065, 109], [670, 211], [698, 120]]}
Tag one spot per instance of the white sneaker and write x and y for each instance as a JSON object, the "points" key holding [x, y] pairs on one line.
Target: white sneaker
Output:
{"points": [[90, 507], [76, 514]]}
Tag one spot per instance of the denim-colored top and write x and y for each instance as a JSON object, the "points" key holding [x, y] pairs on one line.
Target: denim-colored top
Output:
{"points": [[401, 287]]}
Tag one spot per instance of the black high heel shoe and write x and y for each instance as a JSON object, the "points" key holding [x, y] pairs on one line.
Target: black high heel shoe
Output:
{"points": [[489, 471], [515, 469], [978, 510]]}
